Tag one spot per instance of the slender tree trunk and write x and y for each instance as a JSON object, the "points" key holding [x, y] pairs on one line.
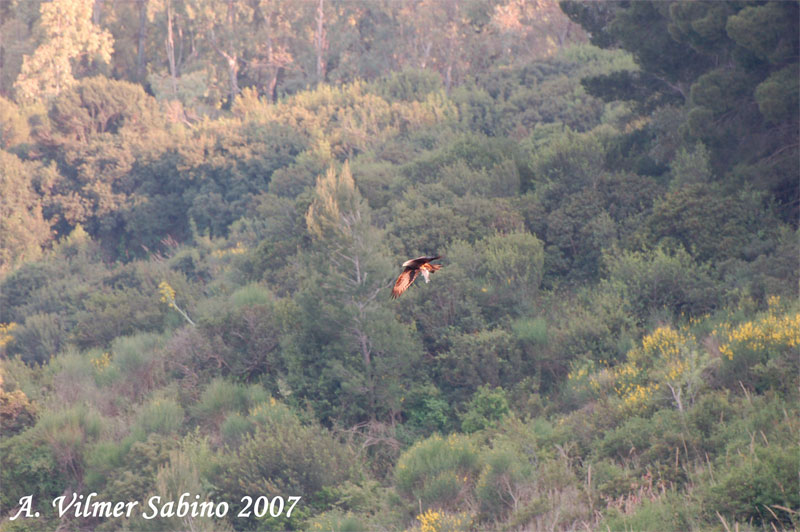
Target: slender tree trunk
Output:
{"points": [[233, 63], [321, 42], [233, 74], [97, 8], [140, 67], [230, 57], [171, 50], [272, 84], [179, 59], [273, 70], [3, 92], [452, 53], [426, 55]]}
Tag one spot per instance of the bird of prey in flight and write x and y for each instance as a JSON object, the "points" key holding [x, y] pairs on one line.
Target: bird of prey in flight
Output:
{"points": [[411, 269]]}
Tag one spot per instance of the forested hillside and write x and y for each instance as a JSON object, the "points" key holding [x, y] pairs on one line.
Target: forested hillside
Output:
{"points": [[204, 205]]}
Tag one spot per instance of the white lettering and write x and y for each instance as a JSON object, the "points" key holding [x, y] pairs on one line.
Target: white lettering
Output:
{"points": [[101, 509], [60, 500], [168, 509], [151, 503], [26, 503], [130, 506], [206, 506], [183, 506]]}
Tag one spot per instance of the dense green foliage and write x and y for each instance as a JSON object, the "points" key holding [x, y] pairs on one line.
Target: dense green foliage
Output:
{"points": [[197, 250]]}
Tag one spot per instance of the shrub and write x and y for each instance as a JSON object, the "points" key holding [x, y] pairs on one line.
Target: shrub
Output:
{"points": [[486, 408], [438, 471], [222, 396], [69, 434], [337, 521], [427, 412], [505, 478], [235, 428], [137, 365], [486, 357], [126, 470], [161, 416], [245, 335], [757, 486], [108, 314], [761, 352], [668, 512], [182, 472], [661, 281], [250, 295], [436, 521], [409, 85], [285, 457], [41, 337], [16, 411], [28, 468]]}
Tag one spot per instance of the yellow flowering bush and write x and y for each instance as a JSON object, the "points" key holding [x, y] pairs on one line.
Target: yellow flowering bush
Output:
{"points": [[102, 362], [238, 249], [769, 333], [762, 352], [437, 521], [5, 335], [168, 297], [667, 361], [167, 293]]}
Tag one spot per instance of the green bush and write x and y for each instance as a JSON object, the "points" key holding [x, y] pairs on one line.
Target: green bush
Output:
{"points": [[409, 85], [39, 338], [609, 480], [337, 521], [108, 314], [132, 354], [427, 412], [235, 428], [70, 434], [531, 331], [183, 471], [245, 335], [222, 396], [757, 486], [161, 415], [438, 471], [505, 476], [660, 280], [126, 470], [27, 467], [486, 409], [284, 457], [671, 511], [250, 295], [483, 358]]}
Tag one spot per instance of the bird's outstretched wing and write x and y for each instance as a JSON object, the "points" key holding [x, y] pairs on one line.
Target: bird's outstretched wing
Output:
{"points": [[404, 281], [419, 261]]}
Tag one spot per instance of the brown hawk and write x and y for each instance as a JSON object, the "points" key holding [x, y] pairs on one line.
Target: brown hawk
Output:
{"points": [[411, 269]]}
